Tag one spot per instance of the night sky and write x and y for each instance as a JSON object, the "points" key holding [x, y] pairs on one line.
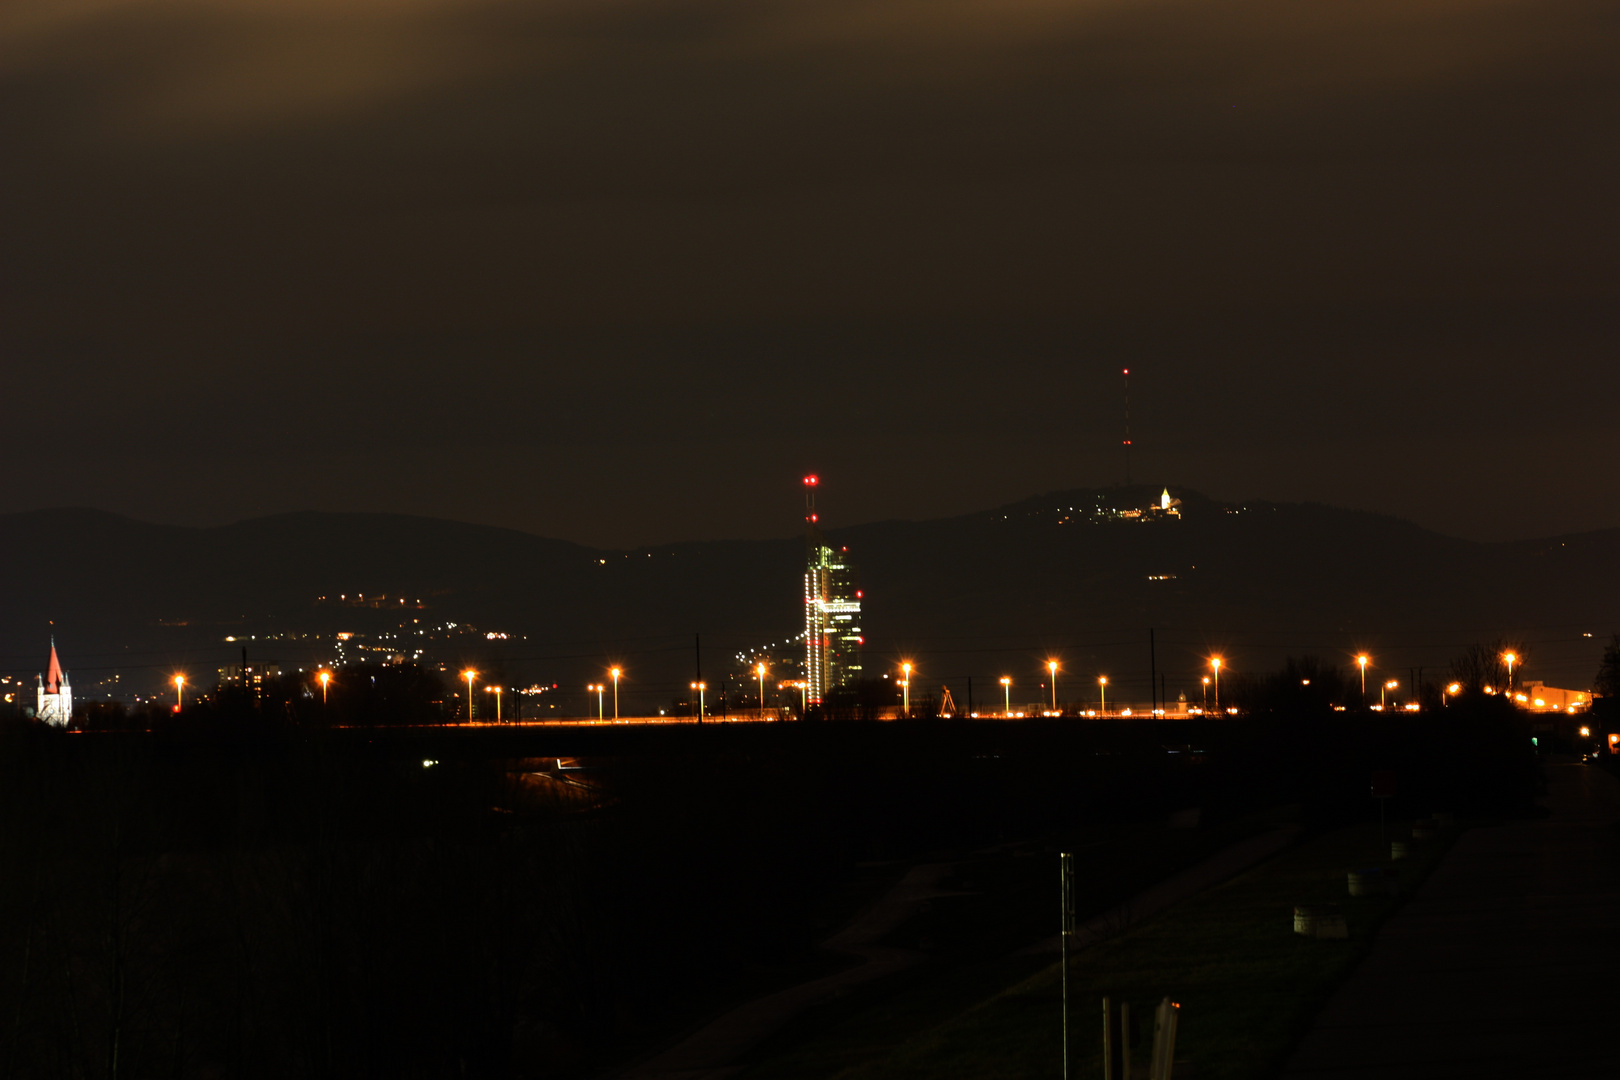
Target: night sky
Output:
{"points": [[619, 271]]}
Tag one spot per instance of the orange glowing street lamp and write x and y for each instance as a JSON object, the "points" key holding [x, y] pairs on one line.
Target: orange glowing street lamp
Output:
{"points": [[179, 692], [1453, 690], [1206, 693], [469, 675], [905, 689], [1052, 669], [496, 690], [1102, 690], [615, 672], [325, 679], [1511, 659], [1006, 696], [1390, 685], [1361, 662], [1215, 662], [700, 687], [597, 688]]}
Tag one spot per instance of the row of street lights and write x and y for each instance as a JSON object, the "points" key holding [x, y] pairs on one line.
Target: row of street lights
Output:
{"points": [[1052, 669], [906, 668]]}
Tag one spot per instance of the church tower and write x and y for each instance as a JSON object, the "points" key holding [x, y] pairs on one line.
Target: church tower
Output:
{"points": [[55, 695]]}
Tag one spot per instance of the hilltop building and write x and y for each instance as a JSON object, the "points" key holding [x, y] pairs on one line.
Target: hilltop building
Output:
{"points": [[832, 610], [55, 695], [1164, 508]]}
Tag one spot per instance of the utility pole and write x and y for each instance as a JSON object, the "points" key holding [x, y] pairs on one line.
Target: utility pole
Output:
{"points": [[1127, 427], [1153, 677]]}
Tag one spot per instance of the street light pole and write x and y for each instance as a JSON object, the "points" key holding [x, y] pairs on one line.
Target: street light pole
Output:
{"points": [[759, 670], [1215, 662], [615, 673], [905, 690], [1102, 689], [497, 703], [468, 675], [1006, 696], [179, 692], [1511, 659], [326, 678], [1052, 667], [1362, 661]]}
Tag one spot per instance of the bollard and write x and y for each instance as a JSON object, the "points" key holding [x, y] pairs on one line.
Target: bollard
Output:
{"points": [[1164, 1040], [1156, 1062], [1174, 1012]]}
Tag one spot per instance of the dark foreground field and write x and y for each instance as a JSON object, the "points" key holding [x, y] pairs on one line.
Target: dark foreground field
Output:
{"points": [[306, 903]]}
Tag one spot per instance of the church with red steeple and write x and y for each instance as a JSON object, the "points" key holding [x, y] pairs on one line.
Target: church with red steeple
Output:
{"points": [[55, 695]]}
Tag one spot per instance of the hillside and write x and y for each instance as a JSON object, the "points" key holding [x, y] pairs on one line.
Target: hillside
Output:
{"points": [[979, 595]]}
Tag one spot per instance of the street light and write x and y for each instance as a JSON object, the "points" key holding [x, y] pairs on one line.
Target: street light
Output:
{"points": [[1215, 662], [179, 692], [1102, 689], [1390, 685], [1511, 660], [1454, 689], [469, 675], [905, 689], [496, 690], [1006, 696], [615, 672], [325, 678], [759, 673], [1362, 662], [598, 688], [700, 687], [1206, 693], [1052, 668]]}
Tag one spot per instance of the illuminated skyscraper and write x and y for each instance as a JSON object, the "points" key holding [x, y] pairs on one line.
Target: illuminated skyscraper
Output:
{"points": [[832, 610]]}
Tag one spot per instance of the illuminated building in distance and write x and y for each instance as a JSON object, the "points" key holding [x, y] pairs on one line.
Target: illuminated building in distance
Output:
{"points": [[832, 610], [55, 695]]}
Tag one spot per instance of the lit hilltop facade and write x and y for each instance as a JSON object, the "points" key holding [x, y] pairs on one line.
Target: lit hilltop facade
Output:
{"points": [[832, 611], [55, 695]]}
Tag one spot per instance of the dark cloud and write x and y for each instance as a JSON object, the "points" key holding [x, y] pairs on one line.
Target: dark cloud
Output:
{"points": [[618, 271]]}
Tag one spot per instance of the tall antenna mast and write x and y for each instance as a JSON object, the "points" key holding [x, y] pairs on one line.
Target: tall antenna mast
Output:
{"points": [[1127, 427]]}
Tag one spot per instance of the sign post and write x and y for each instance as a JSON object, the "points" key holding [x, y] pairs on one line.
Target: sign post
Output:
{"points": [[1066, 873]]}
